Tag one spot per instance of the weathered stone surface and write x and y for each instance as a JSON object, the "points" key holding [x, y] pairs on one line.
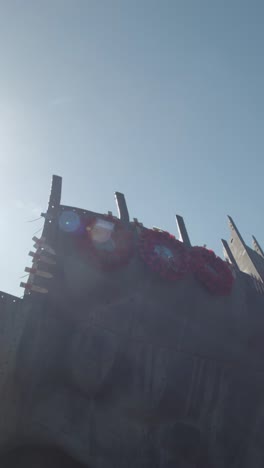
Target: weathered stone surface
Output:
{"points": [[123, 369]]}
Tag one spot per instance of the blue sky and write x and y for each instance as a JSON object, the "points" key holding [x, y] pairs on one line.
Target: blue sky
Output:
{"points": [[162, 100]]}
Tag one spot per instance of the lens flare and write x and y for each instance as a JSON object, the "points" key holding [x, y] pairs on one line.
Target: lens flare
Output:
{"points": [[69, 221], [101, 231]]}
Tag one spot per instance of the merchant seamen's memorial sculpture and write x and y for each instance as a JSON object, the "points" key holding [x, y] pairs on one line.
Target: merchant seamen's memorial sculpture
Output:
{"points": [[132, 349]]}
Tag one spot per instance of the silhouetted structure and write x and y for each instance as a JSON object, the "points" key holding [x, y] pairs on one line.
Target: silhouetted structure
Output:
{"points": [[113, 361]]}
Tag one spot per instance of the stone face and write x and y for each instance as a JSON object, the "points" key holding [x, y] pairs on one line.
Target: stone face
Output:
{"points": [[125, 369]]}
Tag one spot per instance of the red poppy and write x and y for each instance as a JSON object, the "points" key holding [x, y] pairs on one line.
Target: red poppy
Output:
{"points": [[211, 271], [163, 254], [109, 242]]}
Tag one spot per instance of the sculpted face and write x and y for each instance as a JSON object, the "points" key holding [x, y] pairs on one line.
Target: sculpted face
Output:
{"points": [[137, 363]]}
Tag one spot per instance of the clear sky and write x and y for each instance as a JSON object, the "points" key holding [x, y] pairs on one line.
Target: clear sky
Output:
{"points": [[162, 100]]}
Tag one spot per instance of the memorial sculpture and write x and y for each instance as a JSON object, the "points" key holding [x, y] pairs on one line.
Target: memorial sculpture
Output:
{"points": [[131, 348]]}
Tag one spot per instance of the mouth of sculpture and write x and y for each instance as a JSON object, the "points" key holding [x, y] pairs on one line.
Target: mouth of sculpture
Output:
{"points": [[38, 457]]}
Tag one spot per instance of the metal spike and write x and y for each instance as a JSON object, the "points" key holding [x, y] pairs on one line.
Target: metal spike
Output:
{"points": [[35, 271], [34, 287]]}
